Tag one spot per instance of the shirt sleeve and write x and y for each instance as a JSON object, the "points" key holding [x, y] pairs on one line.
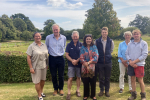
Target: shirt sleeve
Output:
{"points": [[144, 52], [47, 42], [119, 51], [95, 54], [65, 42], [82, 55], [29, 51], [127, 53], [112, 46], [67, 48]]}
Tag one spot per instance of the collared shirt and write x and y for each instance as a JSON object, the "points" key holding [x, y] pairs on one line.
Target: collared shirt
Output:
{"points": [[74, 52], [39, 55], [137, 50], [104, 45], [122, 50], [56, 47]]}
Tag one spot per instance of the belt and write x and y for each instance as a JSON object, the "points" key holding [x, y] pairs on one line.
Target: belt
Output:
{"points": [[55, 56]]}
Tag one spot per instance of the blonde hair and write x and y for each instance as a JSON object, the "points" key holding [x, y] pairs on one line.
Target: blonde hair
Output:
{"points": [[128, 33], [105, 28], [135, 31]]}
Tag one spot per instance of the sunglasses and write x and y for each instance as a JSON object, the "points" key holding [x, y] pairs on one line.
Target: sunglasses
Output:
{"points": [[88, 35]]}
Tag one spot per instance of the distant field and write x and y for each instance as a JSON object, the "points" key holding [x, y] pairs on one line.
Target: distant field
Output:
{"points": [[23, 45]]}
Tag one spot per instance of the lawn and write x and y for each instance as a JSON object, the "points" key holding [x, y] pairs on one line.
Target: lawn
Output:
{"points": [[26, 91], [16, 46]]}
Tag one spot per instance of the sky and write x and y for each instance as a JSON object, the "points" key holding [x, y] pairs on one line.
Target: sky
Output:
{"points": [[70, 14]]}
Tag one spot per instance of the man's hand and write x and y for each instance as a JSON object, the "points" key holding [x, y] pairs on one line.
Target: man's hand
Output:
{"points": [[131, 63], [74, 62], [135, 65]]}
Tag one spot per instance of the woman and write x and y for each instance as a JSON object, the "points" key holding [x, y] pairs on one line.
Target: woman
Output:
{"points": [[123, 62], [37, 58], [88, 58]]}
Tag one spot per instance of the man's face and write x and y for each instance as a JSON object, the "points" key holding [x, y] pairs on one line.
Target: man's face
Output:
{"points": [[75, 37], [136, 35], [104, 33], [56, 30]]}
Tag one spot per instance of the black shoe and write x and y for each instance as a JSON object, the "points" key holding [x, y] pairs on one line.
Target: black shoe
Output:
{"points": [[121, 90], [43, 95]]}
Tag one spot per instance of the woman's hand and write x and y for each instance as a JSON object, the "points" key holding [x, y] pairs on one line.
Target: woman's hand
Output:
{"points": [[32, 71]]}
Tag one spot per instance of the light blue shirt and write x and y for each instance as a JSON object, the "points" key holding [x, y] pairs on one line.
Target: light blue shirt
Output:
{"points": [[56, 47], [122, 50], [137, 50]]}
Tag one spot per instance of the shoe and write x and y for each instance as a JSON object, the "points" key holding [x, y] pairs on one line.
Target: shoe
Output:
{"points": [[68, 97], [78, 94], [55, 92], [133, 95], [121, 90], [84, 99], [107, 94], [130, 91], [43, 95], [61, 93], [40, 98], [100, 93], [143, 96], [94, 99]]}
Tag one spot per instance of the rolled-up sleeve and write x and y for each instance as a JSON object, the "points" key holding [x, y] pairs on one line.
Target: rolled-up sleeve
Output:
{"points": [[127, 54], [119, 51], [29, 51], [144, 52], [82, 55]]}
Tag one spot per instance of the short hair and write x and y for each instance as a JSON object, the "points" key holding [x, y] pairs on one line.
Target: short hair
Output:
{"points": [[105, 28], [36, 33], [55, 25], [74, 33], [84, 40], [128, 33], [136, 30]]}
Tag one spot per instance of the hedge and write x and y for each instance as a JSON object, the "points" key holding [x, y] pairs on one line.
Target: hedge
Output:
{"points": [[14, 68]]}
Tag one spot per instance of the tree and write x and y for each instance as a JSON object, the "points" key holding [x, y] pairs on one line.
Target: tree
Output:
{"points": [[20, 24], [26, 35], [101, 15], [140, 22], [4, 16], [47, 30], [49, 21]]}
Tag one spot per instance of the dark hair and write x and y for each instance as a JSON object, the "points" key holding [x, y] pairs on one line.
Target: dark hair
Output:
{"points": [[36, 33], [84, 40]]}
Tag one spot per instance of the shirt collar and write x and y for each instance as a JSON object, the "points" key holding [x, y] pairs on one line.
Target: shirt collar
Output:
{"points": [[59, 34], [36, 43], [138, 42], [73, 42]]}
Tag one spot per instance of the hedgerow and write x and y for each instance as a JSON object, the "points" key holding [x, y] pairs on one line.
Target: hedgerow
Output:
{"points": [[14, 68]]}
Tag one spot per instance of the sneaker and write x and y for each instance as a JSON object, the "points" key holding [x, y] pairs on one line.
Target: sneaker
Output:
{"points": [[43, 95], [40, 98], [121, 90], [100, 93]]}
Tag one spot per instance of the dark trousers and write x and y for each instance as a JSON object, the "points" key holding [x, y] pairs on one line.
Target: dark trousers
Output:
{"points": [[92, 82], [104, 71], [57, 64]]}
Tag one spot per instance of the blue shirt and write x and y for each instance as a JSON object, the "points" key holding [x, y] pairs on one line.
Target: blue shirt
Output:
{"points": [[74, 52], [122, 50], [55, 47]]}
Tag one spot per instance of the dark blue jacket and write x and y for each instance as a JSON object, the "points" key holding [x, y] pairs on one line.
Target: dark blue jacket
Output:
{"points": [[104, 58]]}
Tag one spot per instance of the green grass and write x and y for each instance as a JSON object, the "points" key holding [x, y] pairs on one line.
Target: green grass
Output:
{"points": [[15, 46], [26, 91]]}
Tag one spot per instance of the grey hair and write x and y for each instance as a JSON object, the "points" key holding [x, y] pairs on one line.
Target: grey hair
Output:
{"points": [[74, 33], [127, 32], [55, 25], [36, 33]]}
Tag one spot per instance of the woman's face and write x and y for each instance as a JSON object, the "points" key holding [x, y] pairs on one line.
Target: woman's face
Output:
{"points": [[127, 37], [88, 40], [37, 37]]}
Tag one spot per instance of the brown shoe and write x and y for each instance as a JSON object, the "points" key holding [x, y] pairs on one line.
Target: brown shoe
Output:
{"points": [[61, 93], [68, 97], [78, 94], [107, 94], [55, 92], [100, 93]]}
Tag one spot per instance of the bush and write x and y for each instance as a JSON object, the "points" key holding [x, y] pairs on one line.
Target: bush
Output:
{"points": [[14, 68]]}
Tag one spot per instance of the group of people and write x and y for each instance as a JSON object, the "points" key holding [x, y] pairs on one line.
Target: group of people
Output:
{"points": [[86, 61]]}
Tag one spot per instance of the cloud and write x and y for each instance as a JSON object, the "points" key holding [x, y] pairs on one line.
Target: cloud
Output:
{"points": [[66, 22], [136, 2], [64, 3]]}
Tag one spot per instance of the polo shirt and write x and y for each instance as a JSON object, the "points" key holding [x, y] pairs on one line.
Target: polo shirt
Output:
{"points": [[39, 55], [74, 52]]}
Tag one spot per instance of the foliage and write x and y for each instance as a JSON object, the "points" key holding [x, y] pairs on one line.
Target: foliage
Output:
{"points": [[140, 22], [49, 21], [14, 68], [27, 35], [120, 37], [20, 24], [101, 15]]}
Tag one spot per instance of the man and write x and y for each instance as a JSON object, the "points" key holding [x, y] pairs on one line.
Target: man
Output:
{"points": [[136, 54], [105, 47], [74, 66], [56, 44]]}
